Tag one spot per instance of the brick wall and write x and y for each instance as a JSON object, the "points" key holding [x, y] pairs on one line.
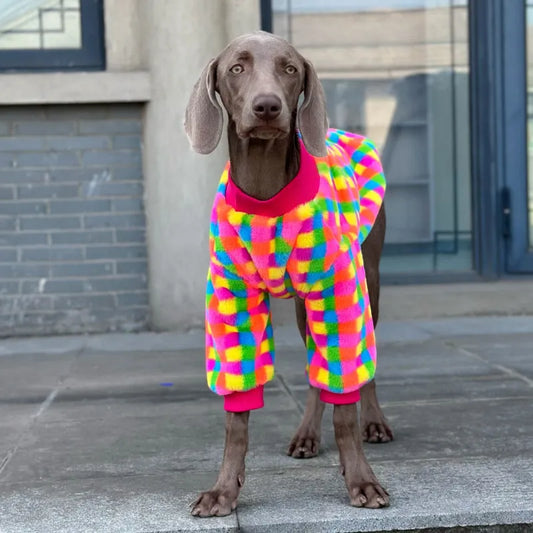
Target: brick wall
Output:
{"points": [[72, 225]]}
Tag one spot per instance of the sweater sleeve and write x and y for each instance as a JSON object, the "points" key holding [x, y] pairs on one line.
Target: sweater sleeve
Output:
{"points": [[366, 164], [239, 337], [371, 182]]}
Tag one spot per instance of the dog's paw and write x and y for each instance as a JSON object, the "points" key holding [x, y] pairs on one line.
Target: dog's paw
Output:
{"points": [[363, 487], [305, 444], [375, 428], [370, 495], [215, 502]]}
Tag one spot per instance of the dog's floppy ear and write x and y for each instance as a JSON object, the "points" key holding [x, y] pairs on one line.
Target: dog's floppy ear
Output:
{"points": [[203, 116], [312, 115]]}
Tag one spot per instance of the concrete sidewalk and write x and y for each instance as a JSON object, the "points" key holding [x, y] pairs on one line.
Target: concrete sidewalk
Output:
{"points": [[118, 433]]}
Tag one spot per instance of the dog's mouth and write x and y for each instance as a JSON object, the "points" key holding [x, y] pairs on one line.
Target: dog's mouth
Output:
{"points": [[264, 132]]}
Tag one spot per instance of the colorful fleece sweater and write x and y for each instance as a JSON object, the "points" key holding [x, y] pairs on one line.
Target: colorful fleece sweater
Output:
{"points": [[304, 241]]}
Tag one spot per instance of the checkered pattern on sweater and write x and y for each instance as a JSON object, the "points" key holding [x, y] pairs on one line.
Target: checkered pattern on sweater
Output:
{"points": [[314, 251]]}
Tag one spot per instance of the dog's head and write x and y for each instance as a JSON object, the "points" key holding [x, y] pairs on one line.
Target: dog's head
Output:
{"points": [[259, 78]]}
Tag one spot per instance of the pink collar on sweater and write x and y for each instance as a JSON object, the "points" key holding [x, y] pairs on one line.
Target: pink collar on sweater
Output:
{"points": [[301, 189]]}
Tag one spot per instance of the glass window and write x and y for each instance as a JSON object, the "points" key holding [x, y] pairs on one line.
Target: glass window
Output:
{"points": [[38, 24], [397, 72], [50, 34]]}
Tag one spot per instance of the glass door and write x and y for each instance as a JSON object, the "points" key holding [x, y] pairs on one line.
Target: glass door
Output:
{"points": [[518, 109], [397, 71]]}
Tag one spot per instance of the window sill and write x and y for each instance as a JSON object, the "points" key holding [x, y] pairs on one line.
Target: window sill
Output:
{"points": [[74, 87]]}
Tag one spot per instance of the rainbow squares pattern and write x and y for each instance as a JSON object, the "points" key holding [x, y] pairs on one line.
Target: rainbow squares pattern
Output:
{"points": [[313, 251]]}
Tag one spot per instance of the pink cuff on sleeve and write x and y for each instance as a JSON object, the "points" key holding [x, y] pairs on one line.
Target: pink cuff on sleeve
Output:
{"points": [[339, 399], [238, 402]]}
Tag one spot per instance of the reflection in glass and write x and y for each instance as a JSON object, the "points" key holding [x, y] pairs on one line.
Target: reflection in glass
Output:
{"points": [[39, 24], [529, 36], [397, 72]]}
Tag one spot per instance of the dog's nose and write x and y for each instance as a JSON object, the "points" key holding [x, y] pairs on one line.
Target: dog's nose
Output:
{"points": [[266, 106]]}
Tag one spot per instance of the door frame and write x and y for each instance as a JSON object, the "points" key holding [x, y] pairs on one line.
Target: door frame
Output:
{"points": [[498, 106]]}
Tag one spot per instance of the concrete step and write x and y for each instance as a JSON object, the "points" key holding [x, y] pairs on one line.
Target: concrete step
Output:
{"points": [[119, 434]]}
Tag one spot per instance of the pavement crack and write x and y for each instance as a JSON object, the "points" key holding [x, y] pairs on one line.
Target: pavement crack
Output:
{"points": [[506, 370], [42, 409]]}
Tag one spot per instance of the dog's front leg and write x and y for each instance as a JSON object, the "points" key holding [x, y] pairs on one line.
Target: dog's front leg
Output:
{"points": [[363, 487], [222, 498]]}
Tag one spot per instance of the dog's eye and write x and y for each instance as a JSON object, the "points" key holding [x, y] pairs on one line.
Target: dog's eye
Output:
{"points": [[236, 69], [289, 69]]}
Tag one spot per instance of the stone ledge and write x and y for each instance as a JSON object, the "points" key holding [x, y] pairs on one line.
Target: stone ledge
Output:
{"points": [[74, 87]]}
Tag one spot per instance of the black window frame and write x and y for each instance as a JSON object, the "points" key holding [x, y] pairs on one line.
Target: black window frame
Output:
{"points": [[90, 56]]}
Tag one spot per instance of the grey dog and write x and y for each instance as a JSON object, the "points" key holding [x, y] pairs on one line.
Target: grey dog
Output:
{"points": [[259, 78]]}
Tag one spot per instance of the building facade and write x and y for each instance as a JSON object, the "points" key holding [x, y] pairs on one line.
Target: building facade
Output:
{"points": [[104, 208]]}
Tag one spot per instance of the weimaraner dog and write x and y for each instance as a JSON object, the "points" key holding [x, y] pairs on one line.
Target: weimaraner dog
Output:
{"points": [[259, 78]]}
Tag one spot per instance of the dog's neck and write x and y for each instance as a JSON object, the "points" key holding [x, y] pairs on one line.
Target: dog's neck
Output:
{"points": [[261, 168]]}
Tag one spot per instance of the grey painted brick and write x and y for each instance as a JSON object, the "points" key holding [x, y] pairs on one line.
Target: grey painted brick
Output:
{"points": [[18, 176], [44, 127], [12, 238], [102, 158], [9, 287], [21, 144], [90, 111], [132, 267], [78, 112], [57, 286], [6, 193], [86, 142], [126, 110], [33, 286], [127, 173], [111, 126], [30, 322], [131, 283], [7, 223], [80, 206], [23, 208], [52, 254], [7, 160], [49, 222], [15, 112], [81, 270], [115, 252], [8, 255], [83, 237], [47, 159], [133, 314], [85, 301], [132, 299], [131, 235], [5, 127], [63, 175], [25, 302], [132, 188], [114, 221], [19, 270], [24, 322], [127, 142], [128, 205], [47, 191]]}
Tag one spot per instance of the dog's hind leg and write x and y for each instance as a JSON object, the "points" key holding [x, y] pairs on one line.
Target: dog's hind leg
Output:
{"points": [[221, 500], [306, 441], [374, 425]]}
